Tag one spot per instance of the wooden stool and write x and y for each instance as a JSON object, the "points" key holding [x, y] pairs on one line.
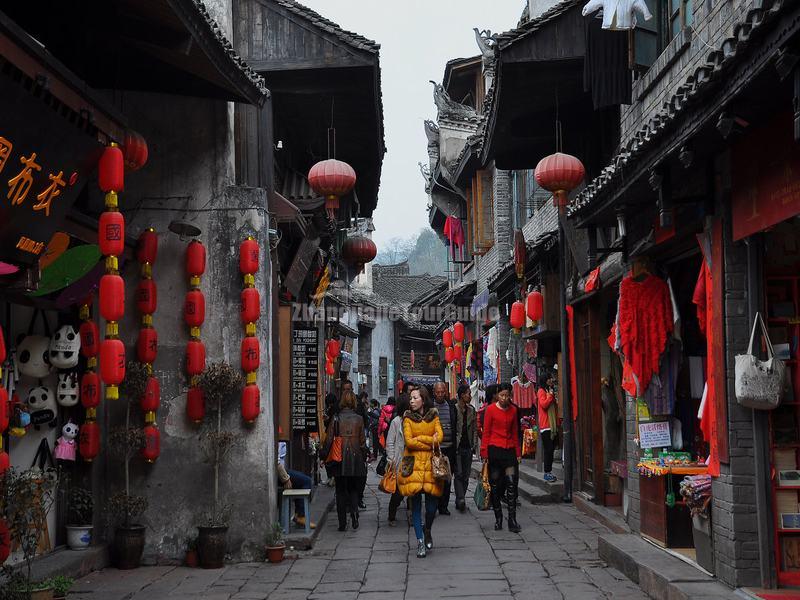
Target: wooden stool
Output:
{"points": [[287, 498]]}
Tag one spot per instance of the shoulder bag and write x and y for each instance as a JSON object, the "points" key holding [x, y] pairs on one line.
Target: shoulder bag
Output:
{"points": [[759, 383], [440, 464]]}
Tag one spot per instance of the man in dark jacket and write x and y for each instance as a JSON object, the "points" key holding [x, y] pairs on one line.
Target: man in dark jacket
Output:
{"points": [[466, 444], [447, 417]]}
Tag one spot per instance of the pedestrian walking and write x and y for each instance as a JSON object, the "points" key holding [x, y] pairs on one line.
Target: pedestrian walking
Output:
{"points": [[361, 410], [374, 415], [387, 414], [347, 458], [546, 414], [500, 446], [447, 417], [331, 410], [395, 448], [466, 444], [421, 431]]}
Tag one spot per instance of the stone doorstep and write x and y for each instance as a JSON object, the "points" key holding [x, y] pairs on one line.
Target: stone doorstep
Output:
{"points": [[609, 517], [660, 575], [532, 487], [322, 503], [70, 563]]}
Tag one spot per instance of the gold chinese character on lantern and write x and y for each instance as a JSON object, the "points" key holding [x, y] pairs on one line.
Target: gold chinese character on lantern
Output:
{"points": [[5, 151], [51, 192], [20, 185]]}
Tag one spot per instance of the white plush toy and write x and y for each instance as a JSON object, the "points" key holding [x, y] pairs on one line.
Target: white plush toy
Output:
{"points": [[618, 15], [65, 348], [42, 406], [33, 356], [68, 390], [66, 445]]}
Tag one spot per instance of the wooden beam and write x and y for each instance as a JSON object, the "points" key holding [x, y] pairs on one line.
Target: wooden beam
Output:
{"points": [[295, 64]]}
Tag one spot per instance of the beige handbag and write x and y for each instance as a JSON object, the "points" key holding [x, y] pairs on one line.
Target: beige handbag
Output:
{"points": [[440, 464], [759, 383]]}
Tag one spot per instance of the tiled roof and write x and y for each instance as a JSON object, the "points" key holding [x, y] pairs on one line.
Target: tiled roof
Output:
{"points": [[509, 37], [405, 288], [352, 39], [686, 96]]}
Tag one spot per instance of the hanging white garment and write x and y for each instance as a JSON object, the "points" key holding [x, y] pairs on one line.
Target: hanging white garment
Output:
{"points": [[491, 347], [618, 15], [676, 313]]}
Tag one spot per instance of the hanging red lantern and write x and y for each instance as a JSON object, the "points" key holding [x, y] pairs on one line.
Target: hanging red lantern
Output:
{"points": [[5, 462], [449, 355], [517, 318], [151, 399], [194, 308], [2, 347], [111, 170], [111, 233], [147, 246], [147, 345], [251, 305], [248, 257], [195, 405], [152, 443], [251, 403], [90, 339], [534, 306], [560, 173], [5, 410], [89, 440], [112, 297], [251, 354], [447, 338], [195, 357], [358, 250], [520, 253], [112, 365], [332, 349], [147, 296], [458, 332], [90, 390], [195, 258], [458, 352], [330, 370], [332, 179], [134, 151], [5, 542]]}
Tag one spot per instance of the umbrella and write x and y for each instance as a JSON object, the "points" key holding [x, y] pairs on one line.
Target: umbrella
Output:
{"points": [[68, 268]]}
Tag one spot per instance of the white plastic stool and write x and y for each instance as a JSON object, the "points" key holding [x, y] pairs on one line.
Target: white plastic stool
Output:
{"points": [[287, 499]]}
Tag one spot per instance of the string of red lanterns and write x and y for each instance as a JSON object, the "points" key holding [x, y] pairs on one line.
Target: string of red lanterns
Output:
{"points": [[147, 344], [194, 314], [89, 435], [332, 350], [250, 313]]}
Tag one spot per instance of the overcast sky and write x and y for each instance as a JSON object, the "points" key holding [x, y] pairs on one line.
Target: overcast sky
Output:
{"points": [[417, 38]]}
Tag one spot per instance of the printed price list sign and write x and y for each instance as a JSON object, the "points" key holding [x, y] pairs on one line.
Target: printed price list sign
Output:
{"points": [[304, 379], [654, 435]]}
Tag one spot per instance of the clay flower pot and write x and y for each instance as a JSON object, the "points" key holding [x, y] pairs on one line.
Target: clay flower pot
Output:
{"points": [[211, 546], [275, 553], [128, 546]]}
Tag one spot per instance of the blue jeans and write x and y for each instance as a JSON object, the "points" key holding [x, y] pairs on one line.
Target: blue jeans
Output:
{"points": [[431, 505], [300, 481]]}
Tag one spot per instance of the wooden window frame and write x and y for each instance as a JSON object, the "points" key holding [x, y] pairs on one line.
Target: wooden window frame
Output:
{"points": [[664, 17]]}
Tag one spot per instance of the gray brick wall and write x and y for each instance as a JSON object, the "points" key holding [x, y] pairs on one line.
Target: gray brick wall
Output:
{"points": [[543, 220], [632, 483]]}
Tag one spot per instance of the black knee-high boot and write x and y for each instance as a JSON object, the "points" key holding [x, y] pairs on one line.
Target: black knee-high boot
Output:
{"points": [[498, 489], [511, 500]]}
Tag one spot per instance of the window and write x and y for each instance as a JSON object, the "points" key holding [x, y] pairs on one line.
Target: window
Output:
{"points": [[650, 38], [383, 376], [482, 213]]}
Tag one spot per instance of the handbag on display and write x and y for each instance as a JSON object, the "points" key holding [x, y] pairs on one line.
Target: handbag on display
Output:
{"points": [[482, 494], [759, 383], [388, 483], [440, 464]]}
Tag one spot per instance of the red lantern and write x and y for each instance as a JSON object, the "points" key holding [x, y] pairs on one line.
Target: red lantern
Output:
{"points": [[358, 251], [520, 253], [152, 395], [90, 390], [449, 355], [560, 174], [447, 338], [147, 345], [112, 361], [195, 258], [251, 403], [248, 257], [251, 305], [152, 443], [112, 297], [147, 247], [251, 354], [89, 440], [111, 170], [332, 349], [111, 233], [517, 319], [330, 370], [458, 332], [5, 542], [90, 339], [147, 296], [194, 308], [135, 152], [534, 306], [458, 352], [4, 409], [195, 357], [332, 179], [5, 462], [195, 405], [2, 347]]}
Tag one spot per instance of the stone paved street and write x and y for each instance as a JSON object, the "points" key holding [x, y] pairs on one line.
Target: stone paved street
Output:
{"points": [[554, 557]]}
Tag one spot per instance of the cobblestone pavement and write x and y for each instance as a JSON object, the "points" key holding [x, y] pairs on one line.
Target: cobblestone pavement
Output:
{"points": [[555, 557]]}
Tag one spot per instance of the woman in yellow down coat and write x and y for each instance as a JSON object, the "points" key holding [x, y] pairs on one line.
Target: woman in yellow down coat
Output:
{"points": [[421, 430]]}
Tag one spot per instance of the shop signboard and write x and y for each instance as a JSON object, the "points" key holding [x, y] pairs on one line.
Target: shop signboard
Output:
{"points": [[765, 177], [305, 369], [654, 435], [45, 161]]}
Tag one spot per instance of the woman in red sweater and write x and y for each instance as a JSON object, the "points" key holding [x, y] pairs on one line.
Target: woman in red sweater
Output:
{"points": [[545, 401], [500, 446]]}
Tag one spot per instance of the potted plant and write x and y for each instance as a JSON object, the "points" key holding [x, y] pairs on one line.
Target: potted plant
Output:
{"points": [[79, 514], [219, 382], [191, 552], [275, 545], [26, 498], [60, 585], [124, 443]]}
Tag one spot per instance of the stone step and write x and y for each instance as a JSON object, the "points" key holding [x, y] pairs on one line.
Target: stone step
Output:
{"points": [[532, 477], [528, 492]]}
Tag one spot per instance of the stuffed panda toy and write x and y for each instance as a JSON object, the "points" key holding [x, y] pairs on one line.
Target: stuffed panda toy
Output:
{"points": [[33, 356], [65, 348], [66, 445], [42, 406], [68, 390]]}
